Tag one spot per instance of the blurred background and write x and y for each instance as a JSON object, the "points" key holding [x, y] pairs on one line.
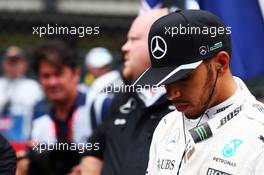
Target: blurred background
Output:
{"points": [[18, 17]]}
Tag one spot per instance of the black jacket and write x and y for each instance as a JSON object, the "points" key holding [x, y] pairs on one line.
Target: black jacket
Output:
{"points": [[7, 158], [126, 136]]}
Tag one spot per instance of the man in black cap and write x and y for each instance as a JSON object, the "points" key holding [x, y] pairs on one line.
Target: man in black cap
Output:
{"points": [[218, 126], [15, 103]]}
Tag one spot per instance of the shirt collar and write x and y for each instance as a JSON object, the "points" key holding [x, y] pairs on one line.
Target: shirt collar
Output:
{"points": [[208, 128], [210, 113], [79, 101]]}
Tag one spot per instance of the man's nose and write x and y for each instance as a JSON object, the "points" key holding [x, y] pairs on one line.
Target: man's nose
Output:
{"points": [[173, 91], [124, 47], [53, 80]]}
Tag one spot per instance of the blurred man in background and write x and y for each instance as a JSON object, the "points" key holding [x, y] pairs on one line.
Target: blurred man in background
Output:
{"points": [[99, 62], [68, 118], [18, 96], [125, 137]]}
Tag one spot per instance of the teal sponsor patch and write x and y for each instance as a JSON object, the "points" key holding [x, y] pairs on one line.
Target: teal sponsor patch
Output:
{"points": [[216, 46]]}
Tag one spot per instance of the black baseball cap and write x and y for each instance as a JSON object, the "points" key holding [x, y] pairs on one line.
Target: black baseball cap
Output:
{"points": [[180, 41]]}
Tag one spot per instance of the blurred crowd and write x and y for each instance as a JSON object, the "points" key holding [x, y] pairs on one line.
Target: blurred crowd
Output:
{"points": [[60, 124], [58, 107]]}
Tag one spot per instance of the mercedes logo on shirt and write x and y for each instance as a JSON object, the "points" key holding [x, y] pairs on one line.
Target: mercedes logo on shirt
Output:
{"points": [[202, 50], [158, 47], [129, 106], [172, 140]]}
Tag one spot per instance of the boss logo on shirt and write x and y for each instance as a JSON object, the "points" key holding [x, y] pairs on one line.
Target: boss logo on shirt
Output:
{"points": [[222, 109], [230, 116], [212, 171]]}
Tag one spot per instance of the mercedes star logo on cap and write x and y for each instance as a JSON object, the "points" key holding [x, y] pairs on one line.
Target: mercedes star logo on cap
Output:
{"points": [[158, 47], [202, 50]]}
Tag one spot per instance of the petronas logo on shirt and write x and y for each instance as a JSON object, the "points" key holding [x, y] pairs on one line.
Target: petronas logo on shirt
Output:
{"points": [[201, 133]]}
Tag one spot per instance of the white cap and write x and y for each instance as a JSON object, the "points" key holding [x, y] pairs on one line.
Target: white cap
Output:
{"points": [[98, 57]]}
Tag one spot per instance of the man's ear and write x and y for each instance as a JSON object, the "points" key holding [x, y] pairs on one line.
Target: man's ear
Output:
{"points": [[77, 73], [222, 61]]}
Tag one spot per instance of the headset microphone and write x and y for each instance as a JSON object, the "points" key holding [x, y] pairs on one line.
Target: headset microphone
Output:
{"points": [[219, 66]]}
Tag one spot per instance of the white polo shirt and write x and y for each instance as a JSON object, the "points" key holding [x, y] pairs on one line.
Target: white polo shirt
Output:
{"points": [[17, 100]]}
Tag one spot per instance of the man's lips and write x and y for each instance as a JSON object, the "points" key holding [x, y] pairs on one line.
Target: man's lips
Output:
{"points": [[181, 106], [54, 90], [126, 63]]}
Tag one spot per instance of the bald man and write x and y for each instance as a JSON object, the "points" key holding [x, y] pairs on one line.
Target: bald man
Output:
{"points": [[124, 139]]}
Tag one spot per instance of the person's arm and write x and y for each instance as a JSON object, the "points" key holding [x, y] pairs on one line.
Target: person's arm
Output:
{"points": [[91, 165], [92, 160], [258, 170], [151, 170], [7, 158], [152, 163]]}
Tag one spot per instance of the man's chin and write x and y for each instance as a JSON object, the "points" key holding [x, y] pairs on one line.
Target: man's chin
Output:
{"points": [[192, 115], [56, 98], [127, 75]]}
